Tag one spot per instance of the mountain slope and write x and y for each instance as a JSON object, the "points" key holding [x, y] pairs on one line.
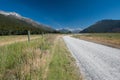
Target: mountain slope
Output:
{"points": [[103, 26], [13, 23]]}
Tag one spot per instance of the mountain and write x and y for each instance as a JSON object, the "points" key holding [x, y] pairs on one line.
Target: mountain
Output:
{"points": [[14, 23], [69, 30], [103, 26], [77, 30], [63, 30]]}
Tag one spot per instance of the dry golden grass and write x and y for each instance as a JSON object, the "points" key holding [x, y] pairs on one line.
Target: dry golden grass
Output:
{"points": [[4, 40], [110, 39], [32, 60], [23, 60]]}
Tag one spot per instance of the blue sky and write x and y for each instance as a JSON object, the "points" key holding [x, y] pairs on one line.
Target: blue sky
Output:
{"points": [[64, 13]]}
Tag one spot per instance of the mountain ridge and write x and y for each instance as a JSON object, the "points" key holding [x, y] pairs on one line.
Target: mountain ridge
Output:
{"points": [[14, 23], [103, 26]]}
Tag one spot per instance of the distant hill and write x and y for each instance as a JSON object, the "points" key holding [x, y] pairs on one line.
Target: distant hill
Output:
{"points": [[13, 23], [103, 26]]}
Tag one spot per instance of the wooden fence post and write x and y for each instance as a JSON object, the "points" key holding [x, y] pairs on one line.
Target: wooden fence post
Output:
{"points": [[28, 36]]}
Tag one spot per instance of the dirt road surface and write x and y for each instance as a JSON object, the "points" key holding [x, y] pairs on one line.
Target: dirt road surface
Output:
{"points": [[96, 61]]}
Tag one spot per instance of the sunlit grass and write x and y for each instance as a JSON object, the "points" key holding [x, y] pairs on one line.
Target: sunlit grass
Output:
{"points": [[16, 38], [62, 65], [44, 58], [14, 56], [110, 39]]}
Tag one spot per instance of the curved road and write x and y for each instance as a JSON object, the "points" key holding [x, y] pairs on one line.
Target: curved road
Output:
{"points": [[96, 62]]}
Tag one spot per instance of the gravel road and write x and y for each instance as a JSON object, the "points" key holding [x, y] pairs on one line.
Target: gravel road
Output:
{"points": [[96, 62]]}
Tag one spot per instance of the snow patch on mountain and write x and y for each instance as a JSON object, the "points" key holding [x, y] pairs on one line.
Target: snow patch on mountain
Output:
{"points": [[10, 13], [18, 16]]}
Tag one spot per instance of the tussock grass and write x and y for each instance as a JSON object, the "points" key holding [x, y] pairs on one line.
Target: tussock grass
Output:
{"points": [[44, 58], [17, 61]]}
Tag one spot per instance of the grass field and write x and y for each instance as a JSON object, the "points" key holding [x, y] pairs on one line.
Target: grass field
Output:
{"points": [[110, 39], [62, 65], [44, 58], [12, 39]]}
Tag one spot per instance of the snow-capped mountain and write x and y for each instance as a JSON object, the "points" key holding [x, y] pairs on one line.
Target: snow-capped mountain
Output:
{"points": [[14, 23], [69, 30], [77, 30], [18, 16]]}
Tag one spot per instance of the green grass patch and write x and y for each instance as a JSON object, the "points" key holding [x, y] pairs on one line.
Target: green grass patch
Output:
{"points": [[62, 66]]}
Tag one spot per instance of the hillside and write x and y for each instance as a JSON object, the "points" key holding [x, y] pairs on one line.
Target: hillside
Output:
{"points": [[13, 23], [103, 26]]}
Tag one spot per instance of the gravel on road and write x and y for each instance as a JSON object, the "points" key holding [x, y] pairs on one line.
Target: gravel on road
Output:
{"points": [[96, 61]]}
